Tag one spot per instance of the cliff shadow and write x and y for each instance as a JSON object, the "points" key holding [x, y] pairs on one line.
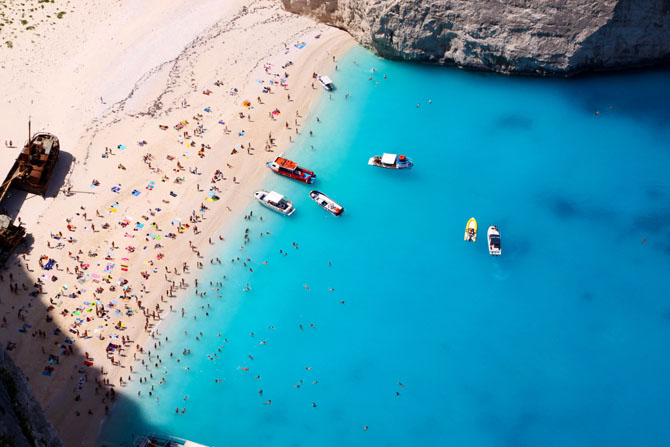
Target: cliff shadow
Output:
{"points": [[635, 36], [626, 43], [75, 389], [641, 100]]}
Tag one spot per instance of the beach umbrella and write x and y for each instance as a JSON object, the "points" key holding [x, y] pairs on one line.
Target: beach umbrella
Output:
{"points": [[276, 112]]}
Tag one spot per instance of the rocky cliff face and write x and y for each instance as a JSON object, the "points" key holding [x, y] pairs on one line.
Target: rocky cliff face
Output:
{"points": [[543, 37], [22, 422]]}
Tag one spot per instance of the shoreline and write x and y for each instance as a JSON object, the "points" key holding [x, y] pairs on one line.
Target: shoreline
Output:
{"points": [[89, 338]]}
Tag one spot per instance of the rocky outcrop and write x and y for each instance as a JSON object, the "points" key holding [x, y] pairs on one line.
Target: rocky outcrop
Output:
{"points": [[22, 422], [542, 37]]}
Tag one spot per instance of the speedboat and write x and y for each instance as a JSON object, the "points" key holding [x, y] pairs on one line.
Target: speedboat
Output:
{"points": [[327, 203], [391, 161], [275, 202], [471, 230], [287, 168], [159, 440], [494, 241], [326, 83]]}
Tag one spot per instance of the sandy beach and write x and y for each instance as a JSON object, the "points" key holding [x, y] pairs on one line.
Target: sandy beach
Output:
{"points": [[164, 111]]}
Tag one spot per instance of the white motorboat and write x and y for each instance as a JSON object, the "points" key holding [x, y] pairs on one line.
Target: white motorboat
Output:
{"points": [[275, 201], [327, 203], [391, 161], [159, 440], [326, 83], [494, 241]]}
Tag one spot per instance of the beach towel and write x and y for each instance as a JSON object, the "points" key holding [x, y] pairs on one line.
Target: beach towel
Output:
{"points": [[135, 192], [121, 147], [300, 45], [151, 185], [116, 189]]}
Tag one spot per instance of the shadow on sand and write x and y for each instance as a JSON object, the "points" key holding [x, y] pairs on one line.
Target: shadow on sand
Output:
{"points": [[54, 352]]}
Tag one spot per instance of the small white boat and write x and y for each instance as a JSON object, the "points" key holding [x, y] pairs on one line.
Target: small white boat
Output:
{"points": [[275, 201], [327, 203], [159, 440], [391, 161], [326, 83], [471, 230], [494, 241]]}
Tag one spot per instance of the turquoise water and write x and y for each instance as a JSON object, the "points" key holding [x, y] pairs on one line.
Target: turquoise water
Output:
{"points": [[561, 341]]}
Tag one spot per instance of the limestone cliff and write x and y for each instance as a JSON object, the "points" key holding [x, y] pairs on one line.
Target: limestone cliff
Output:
{"points": [[543, 37], [22, 422]]}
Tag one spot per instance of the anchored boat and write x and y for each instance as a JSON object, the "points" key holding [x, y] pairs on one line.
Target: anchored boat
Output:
{"points": [[471, 230], [391, 161], [275, 202], [326, 83], [156, 440], [494, 241], [287, 168], [327, 203]]}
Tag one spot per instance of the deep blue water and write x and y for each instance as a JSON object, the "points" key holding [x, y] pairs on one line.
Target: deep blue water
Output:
{"points": [[561, 341]]}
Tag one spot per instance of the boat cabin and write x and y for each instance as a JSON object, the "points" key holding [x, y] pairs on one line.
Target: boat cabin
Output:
{"points": [[389, 159], [285, 164], [274, 198], [326, 83]]}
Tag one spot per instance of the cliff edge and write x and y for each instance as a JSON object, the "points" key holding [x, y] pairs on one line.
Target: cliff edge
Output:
{"points": [[538, 37], [22, 422]]}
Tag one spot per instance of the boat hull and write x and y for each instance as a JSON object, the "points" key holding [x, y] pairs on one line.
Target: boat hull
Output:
{"points": [[299, 174], [471, 230], [376, 161], [493, 236], [261, 196], [327, 203]]}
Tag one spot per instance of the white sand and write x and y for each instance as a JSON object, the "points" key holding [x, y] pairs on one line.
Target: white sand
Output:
{"points": [[144, 58]]}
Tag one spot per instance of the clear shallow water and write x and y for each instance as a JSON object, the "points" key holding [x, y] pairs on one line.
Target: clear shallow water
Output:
{"points": [[561, 341]]}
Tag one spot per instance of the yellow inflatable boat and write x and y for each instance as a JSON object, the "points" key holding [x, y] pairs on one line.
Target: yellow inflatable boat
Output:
{"points": [[471, 230]]}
